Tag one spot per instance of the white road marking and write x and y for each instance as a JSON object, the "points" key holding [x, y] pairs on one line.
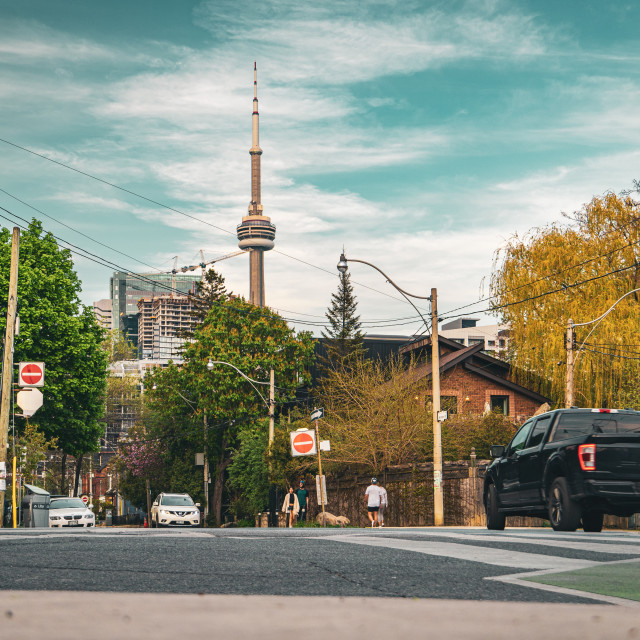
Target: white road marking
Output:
{"points": [[470, 553], [586, 544]]}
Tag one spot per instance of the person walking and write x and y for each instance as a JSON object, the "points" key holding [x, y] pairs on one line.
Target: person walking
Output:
{"points": [[303, 500], [372, 496], [290, 506], [384, 503]]}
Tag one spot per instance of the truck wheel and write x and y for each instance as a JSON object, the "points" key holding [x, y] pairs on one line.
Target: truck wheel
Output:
{"points": [[495, 519], [592, 521], [564, 513]]}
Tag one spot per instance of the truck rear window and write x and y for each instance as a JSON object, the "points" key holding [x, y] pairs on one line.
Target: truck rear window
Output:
{"points": [[571, 425]]}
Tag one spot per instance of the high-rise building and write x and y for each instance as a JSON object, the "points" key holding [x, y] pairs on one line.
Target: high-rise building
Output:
{"points": [[256, 234], [103, 310], [162, 322], [128, 288]]}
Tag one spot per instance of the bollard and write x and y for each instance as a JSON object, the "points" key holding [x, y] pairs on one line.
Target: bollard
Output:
{"points": [[473, 469]]}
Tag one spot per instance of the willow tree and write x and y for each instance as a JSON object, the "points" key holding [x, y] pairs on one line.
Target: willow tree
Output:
{"points": [[576, 271]]}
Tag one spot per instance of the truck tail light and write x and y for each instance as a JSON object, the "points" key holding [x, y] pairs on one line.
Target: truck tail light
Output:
{"points": [[587, 457]]}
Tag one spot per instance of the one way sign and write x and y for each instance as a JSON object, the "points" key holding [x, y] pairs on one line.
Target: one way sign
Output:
{"points": [[317, 414]]}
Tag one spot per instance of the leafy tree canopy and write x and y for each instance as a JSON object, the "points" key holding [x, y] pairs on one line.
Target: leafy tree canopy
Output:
{"points": [[56, 329], [575, 271]]}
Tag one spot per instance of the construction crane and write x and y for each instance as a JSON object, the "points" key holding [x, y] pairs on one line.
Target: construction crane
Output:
{"points": [[202, 265]]}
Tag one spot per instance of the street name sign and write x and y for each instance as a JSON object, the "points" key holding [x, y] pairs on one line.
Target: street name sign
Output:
{"points": [[317, 414], [303, 442], [29, 400], [31, 374]]}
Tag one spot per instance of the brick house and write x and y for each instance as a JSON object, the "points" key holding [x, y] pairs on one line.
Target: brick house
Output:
{"points": [[472, 381]]}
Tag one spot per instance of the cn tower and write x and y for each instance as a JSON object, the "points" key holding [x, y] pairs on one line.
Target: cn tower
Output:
{"points": [[256, 234]]}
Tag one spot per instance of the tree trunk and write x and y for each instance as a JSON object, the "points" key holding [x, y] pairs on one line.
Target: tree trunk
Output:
{"points": [[78, 472], [218, 485], [63, 475]]}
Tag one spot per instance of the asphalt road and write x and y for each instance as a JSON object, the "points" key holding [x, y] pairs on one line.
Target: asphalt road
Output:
{"points": [[451, 563]]}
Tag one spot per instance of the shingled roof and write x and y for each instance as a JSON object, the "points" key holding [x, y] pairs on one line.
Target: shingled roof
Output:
{"points": [[474, 360]]}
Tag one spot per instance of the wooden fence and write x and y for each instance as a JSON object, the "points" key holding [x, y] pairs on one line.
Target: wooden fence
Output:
{"points": [[410, 491]]}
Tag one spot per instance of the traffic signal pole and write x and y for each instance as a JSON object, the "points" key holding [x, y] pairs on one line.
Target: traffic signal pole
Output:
{"points": [[7, 365]]}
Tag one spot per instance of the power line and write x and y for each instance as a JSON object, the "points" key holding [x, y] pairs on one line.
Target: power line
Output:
{"points": [[165, 206]]}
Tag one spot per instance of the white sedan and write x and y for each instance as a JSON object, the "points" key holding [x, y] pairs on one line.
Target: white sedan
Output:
{"points": [[70, 512]]}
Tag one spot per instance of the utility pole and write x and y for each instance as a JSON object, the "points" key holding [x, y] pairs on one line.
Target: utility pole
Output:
{"points": [[7, 364], [272, 406], [568, 396], [438, 501], [206, 471]]}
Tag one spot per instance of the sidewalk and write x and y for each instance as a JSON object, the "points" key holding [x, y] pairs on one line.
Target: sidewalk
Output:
{"points": [[30, 615]]}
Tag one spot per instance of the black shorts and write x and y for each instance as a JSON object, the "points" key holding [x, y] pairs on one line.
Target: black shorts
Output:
{"points": [[373, 509], [290, 509]]}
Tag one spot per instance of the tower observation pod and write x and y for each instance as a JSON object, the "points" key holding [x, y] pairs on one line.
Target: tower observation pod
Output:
{"points": [[256, 234]]}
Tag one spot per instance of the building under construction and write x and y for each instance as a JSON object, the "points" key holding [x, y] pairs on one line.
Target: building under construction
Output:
{"points": [[162, 322]]}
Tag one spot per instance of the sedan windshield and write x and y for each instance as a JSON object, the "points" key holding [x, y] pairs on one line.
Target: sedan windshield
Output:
{"points": [[67, 503], [177, 501]]}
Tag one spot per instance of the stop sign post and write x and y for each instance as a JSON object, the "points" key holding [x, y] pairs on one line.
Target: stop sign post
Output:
{"points": [[31, 374]]}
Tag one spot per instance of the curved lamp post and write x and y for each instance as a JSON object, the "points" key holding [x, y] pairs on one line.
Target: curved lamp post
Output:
{"points": [[270, 404], [438, 501], [571, 360]]}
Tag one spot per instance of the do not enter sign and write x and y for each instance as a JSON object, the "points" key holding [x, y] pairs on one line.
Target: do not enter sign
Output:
{"points": [[31, 374], [303, 442]]}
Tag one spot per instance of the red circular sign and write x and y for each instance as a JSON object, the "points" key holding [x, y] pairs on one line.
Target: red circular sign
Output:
{"points": [[31, 373], [303, 443], [85, 499]]}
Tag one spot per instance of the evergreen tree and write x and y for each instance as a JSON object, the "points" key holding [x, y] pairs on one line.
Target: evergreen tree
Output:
{"points": [[343, 338], [211, 290]]}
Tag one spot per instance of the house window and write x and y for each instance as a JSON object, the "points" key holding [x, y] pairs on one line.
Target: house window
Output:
{"points": [[476, 340], [449, 403], [500, 404], [491, 343], [502, 343]]}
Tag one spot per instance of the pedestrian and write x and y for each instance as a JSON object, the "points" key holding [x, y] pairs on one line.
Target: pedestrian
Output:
{"points": [[290, 506], [384, 503], [372, 496], [303, 500]]}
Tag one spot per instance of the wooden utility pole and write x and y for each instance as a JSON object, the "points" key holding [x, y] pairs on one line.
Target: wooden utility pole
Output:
{"points": [[568, 396], [7, 365], [272, 406], [206, 472], [438, 501]]}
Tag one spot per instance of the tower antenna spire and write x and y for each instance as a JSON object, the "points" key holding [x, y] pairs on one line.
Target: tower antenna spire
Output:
{"points": [[256, 234]]}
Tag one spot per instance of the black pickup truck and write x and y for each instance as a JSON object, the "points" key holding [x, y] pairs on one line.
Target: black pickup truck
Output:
{"points": [[571, 466]]}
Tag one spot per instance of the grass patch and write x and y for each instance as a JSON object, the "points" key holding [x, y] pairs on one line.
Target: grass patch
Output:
{"points": [[617, 580]]}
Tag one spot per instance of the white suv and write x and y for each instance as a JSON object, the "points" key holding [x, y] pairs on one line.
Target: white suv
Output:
{"points": [[175, 510]]}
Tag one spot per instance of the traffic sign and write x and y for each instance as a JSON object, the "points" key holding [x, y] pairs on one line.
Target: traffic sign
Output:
{"points": [[317, 414], [85, 499], [303, 442], [29, 400], [31, 374]]}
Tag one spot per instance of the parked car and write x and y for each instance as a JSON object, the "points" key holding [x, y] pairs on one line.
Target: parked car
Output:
{"points": [[570, 466], [70, 512], [175, 510]]}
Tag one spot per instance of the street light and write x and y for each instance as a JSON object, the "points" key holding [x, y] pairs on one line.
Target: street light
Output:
{"points": [[438, 501], [571, 361], [270, 404]]}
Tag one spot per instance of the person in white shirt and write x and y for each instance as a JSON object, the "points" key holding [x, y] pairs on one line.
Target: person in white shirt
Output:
{"points": [[372, 496], [384, 503]]}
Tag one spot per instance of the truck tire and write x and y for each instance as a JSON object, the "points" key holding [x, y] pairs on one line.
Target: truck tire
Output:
{"points": [[564, 513], [592, 521], [495, 519]]}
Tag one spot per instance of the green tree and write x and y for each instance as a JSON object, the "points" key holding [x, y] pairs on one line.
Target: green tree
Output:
{"points": [[574, 271], [343, 338], [31, 449], [56, 329], [119, 347], [210, 291], [373, 416], [252, 339]]}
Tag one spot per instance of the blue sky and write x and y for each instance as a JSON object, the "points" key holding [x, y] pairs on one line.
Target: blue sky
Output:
{"points": [[418, 135]]}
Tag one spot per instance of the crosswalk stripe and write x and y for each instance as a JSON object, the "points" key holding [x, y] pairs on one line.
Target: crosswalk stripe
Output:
{"points": [[470, 553]]}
